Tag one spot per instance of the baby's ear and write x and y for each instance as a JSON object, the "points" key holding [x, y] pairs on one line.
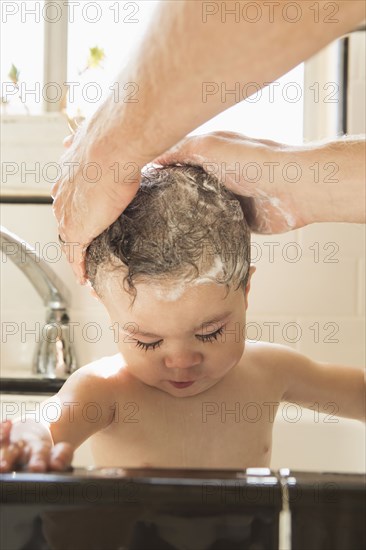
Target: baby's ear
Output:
{"points": [[252, 269]]}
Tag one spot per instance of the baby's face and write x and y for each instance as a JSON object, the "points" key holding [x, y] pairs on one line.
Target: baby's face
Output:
{"points": [[175, 334]]}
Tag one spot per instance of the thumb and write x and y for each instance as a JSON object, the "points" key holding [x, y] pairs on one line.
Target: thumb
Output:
{"points": [[178, 153], [169, 157], [190, 150]]}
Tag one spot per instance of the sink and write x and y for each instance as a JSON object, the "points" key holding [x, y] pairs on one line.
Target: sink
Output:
{"points": [[147, 509], [31, 386]]}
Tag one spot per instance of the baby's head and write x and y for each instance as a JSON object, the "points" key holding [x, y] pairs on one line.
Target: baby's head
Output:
{"points": [[182, 227], [173, 272]]}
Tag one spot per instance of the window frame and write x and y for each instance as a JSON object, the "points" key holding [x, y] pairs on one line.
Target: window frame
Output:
{"points": [[55, 54]]}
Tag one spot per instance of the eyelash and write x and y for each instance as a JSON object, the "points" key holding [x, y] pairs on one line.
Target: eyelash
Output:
{"points": [[204, 339], [144, 346], [211, 337]]}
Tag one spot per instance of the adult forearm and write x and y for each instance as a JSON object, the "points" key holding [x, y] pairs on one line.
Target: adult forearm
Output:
{"points": [[187, 69], [333, 182], [195, 53]]}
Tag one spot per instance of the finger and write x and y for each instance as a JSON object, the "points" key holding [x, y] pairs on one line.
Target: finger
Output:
{"points": [[61, 456], [68, 141], [54, 189], [190, 150], [39, 456], [165, 159], [173, 156], [79, 269], [5, 428], [10, 456], [75, 255]]}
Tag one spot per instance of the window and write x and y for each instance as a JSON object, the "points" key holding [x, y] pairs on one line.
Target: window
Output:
{"points": [[274, 112], [112, 27], [22, 46], [82, 45]]}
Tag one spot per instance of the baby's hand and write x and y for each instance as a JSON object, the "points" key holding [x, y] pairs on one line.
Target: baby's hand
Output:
{"points": [[31, 453]]}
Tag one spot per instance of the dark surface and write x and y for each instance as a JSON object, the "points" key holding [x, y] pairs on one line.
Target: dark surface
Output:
{"points": [[208, 486], [31, 386], [16, 198], [139, 509], [328, 511], [170, 509]]}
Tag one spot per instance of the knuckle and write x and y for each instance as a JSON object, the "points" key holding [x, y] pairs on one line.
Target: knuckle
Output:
{"points": [[61, 456], [13, 449], [3, 452], [63, 450], [41, 449]]}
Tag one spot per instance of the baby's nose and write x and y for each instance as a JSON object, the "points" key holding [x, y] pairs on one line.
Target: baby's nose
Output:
{"points": [[183, 360]]}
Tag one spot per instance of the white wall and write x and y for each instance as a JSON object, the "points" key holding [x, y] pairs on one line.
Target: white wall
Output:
{"points": [[315, 304], [304, 293]]}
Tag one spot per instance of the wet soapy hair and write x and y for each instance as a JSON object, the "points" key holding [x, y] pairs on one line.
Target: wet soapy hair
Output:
{"points": [[183, 225]]}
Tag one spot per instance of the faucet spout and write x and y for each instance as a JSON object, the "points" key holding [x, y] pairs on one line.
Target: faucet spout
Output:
{"points": [[54, 356], [48, 285]]}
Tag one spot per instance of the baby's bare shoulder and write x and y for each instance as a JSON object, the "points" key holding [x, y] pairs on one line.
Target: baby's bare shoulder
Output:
{"points": [[107, 367], [271, 361], [267, 354], [98, 376]]}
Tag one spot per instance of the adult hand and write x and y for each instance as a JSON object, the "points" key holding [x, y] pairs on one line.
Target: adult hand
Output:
{"points": [[96, 185], [253, 169]]}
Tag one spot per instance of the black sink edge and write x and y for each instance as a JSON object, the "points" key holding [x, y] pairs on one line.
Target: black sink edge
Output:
{"points": [[31, 386]]}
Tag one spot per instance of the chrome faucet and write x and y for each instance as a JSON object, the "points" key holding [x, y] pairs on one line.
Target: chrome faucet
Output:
{"points": [[54, 355]]}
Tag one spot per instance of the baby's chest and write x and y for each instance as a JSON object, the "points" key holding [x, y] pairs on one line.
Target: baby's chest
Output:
{"points": [[206, 434]]}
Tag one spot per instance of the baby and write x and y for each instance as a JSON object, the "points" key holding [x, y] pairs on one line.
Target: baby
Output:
{"points": [[185, 390]]}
